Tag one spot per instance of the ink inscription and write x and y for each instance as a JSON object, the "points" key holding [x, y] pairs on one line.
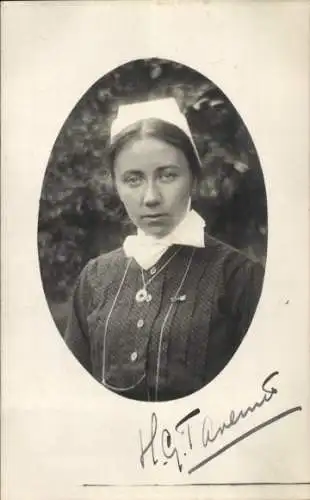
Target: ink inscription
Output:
{"points": [[162, 445]]}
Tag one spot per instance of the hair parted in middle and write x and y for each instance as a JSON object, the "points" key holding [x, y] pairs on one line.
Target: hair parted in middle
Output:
{"points": [[157, 129]]}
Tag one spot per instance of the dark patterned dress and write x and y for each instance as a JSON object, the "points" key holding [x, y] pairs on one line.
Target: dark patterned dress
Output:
{"points": [[201, 305]]}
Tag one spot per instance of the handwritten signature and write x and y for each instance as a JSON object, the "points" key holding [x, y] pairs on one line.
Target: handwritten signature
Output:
{"points": [[164, 445]]}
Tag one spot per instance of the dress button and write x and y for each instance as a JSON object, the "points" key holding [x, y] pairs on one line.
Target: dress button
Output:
{"points": [[140, 323], [133, 356], [153, 271]]}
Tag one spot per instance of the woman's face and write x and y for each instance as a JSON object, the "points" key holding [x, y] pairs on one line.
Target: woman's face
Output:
{"points": [[154, 181]]}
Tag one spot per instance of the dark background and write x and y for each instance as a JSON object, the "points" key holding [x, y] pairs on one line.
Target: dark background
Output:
{"points": [[80, 215]]}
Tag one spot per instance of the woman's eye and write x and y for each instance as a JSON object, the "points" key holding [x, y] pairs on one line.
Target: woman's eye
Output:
{"points": [[168, 176], [133, 180]]}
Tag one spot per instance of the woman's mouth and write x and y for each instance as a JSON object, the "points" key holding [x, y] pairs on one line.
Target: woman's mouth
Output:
{"points": [[154, 217]]}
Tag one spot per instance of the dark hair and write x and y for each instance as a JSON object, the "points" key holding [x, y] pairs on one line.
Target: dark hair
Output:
{"points": [[159, 129]]}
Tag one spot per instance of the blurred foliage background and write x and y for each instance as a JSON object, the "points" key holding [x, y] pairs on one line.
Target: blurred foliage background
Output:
{"points": [[80, 214]]}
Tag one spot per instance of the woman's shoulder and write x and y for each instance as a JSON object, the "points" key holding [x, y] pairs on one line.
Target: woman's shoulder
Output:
{"points": [[113, 257], [239, 277], [103, 265], [222, 249], [233, 260]]}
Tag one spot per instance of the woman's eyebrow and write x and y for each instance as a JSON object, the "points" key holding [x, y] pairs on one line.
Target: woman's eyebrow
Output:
{"points": [[168, 165], [132, 172]]}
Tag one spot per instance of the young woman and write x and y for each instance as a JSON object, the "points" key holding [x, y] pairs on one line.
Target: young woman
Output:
{"points": [[160, 317]]}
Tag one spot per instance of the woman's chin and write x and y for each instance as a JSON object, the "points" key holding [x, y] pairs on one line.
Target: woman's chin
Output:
{"points": [[156, 230], [156, 234]]}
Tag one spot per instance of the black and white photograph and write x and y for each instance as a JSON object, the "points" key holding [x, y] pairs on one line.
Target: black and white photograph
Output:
{"points": [[154, 204], [155, 250]]}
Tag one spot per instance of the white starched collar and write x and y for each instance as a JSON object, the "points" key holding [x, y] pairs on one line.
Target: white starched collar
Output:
{"points": [[147, 250]]}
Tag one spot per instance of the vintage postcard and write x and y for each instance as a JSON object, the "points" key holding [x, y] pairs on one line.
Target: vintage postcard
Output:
{"points": [[155, 250]]}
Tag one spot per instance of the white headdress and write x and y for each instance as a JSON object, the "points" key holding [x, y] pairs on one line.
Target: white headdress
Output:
{"points": [[164, 109]]}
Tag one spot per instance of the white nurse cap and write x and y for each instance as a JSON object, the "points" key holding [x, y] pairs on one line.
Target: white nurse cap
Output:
{"points": [[164, 109]]}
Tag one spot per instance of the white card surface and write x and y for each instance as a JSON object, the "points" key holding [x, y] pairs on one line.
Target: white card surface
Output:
{"points": [[64, 437]]}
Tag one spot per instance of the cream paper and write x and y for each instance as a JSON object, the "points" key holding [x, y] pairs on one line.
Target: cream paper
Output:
{"points": [[60, 429]]}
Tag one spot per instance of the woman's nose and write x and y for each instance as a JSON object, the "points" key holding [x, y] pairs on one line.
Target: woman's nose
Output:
{"points": [[151, 195]]}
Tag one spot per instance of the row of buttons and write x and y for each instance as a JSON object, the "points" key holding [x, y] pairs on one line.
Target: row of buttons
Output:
{"points": [[134, 354], [140, 322]]}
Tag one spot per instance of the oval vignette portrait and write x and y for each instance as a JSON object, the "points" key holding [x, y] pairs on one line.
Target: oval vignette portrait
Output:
{"points": [[152, 230]]}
